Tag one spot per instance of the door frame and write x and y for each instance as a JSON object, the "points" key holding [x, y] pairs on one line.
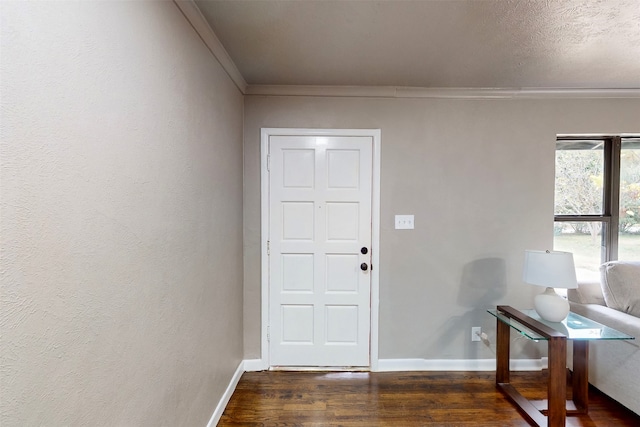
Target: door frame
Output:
{"points": [[265, 134]]}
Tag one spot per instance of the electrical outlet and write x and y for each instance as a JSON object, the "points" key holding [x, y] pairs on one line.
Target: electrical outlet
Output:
{"points": [[476, 333]]}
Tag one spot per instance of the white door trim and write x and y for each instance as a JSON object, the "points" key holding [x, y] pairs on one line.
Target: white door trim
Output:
{"points": [[375, 134]]}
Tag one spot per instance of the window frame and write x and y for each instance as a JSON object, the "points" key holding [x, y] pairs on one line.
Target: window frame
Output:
{"points": [[610, 217]]}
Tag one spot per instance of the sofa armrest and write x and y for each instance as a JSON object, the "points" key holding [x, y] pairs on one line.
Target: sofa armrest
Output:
{"points": [[588, 292], [615, 319]]}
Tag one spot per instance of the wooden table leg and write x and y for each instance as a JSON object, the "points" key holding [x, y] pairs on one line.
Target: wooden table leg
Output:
{"points": [[557, 386], [556, 403], [580, 377], [503, 341]]}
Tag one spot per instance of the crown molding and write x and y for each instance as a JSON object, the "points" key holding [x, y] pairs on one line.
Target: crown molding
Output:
{"points": [[441, 93], [193, 14]]}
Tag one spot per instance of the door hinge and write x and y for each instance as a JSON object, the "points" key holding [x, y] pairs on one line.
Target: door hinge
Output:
{"points": [[268, 162], [268, 334], [268, 248]]}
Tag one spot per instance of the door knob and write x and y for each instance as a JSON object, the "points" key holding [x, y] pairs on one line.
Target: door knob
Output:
{"points": [[364, 266], [364, 250]]}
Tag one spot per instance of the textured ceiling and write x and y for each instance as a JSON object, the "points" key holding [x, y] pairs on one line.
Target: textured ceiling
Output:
{"points": [[440, 44]]}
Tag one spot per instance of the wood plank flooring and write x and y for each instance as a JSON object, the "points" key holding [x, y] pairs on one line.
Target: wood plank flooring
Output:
{"points": [[397, 399]]}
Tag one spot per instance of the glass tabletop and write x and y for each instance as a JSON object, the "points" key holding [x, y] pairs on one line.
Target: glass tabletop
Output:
{"points": [[575, 327]]}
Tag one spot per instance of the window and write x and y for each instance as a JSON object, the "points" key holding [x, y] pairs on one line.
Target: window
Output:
{"points": [[597, 199]]}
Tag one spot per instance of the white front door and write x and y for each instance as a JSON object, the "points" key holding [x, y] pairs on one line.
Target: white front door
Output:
{"points": [[319, 250]]}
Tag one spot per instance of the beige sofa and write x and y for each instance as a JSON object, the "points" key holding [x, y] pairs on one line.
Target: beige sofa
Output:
{"points": [[614, 300]]}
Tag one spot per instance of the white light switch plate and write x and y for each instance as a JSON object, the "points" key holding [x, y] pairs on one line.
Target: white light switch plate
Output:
{"points": [[404, 222]]}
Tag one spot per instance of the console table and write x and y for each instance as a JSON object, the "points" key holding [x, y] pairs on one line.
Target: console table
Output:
{"points": [[553, 411]]}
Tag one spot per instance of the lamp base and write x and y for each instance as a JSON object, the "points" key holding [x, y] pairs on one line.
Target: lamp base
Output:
{"points": [[551, 306]]}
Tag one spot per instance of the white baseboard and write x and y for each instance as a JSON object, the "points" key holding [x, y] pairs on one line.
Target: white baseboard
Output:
{"points": [[390, 365], [217, 414], [253, 365]]}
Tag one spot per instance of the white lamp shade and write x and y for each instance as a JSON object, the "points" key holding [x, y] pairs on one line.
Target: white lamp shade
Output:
{"points": [[552, 269]]}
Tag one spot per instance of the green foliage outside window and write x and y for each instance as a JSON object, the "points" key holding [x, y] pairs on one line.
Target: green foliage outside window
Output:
{"points": [[578, 190], [630, 191]]}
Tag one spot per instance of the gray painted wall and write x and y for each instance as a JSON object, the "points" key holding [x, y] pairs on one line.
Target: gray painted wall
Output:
{"points": [[121, 184], [477, 174]]}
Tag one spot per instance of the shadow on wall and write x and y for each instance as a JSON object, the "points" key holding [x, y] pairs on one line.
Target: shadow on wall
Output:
{"points": [[483, 284]]}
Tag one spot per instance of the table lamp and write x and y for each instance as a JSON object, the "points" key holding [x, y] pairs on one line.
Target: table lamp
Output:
{"points": [[552, 269]]}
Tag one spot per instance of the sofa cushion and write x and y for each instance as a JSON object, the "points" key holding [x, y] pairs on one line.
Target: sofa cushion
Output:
{"points": [[587, 292], [621, 286]]}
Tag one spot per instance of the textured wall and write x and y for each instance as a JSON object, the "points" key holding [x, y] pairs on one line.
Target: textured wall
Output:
{"points": [[121, 217], [479, 177]]}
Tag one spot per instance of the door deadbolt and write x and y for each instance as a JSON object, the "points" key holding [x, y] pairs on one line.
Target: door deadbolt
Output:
{"points": [[364, 250]]}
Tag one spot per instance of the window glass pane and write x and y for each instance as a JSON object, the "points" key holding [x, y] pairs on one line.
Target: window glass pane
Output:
{"points": [[585, 241], [629, 226], [579, 177]]}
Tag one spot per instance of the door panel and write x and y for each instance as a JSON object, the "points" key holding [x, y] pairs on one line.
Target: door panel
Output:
{"points": [[341, 274], [319, 219]]}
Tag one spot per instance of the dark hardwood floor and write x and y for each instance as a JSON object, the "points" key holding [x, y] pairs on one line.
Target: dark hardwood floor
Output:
{"points": [[397, 399]]}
